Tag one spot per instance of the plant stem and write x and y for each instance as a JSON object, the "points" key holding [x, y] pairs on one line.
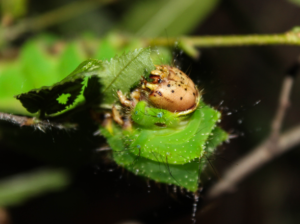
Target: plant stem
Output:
{"points": [[253, 161], [288, 38]]}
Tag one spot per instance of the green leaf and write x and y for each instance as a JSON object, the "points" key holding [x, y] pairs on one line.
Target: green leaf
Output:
{"points": [[87, 68], [152, 18], [217, 136], [185, 175], [34, 68], [45, 98], [14, 8], [121, 73], [92, 92]]}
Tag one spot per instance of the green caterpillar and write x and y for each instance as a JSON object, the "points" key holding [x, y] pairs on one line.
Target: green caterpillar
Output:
{"points": [[162, 145], [175, 145], [148, 150]]}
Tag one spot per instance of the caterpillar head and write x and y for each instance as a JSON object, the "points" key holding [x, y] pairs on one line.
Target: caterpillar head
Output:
{"points": [[172, 90]]}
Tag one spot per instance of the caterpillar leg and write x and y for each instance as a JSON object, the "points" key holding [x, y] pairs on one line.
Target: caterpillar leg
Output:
{"points": [[135, 98], [123, 99], [125, 122], [116, 116]]}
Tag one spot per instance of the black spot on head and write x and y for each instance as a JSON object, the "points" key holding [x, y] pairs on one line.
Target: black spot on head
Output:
{"points": [[179, 85], [180, 98], [168, 85], [185, 89], [159, 93], [182, 82], [172, 91], [194, 94]]}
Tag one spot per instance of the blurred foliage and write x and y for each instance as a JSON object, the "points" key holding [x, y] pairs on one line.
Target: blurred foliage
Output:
{"points": [[296, 2], [152, 18], [143, 18], [16, 189], [13, 8], [46, 60]]}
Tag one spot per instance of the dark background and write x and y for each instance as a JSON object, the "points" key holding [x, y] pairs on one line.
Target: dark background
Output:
{"points": [[247, 79]]}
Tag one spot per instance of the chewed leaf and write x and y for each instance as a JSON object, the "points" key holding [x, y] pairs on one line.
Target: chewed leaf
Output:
{"points": [[121, 73], [218, 136], [63, 98], [46, 98], [36, 66], [183, 175], [87, 68], [92, 92]]}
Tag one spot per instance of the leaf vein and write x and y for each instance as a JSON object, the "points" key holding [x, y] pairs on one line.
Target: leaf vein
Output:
{"points": [[124, 67]]}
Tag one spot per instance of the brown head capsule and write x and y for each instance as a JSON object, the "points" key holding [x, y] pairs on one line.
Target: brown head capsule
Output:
{"points": [[171, 89]]}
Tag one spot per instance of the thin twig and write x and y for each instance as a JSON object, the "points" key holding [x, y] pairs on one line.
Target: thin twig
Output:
{"points": [[257, 158], [282, 107], [273, 146], [4, 216], [19, 120], [42, 125]]}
